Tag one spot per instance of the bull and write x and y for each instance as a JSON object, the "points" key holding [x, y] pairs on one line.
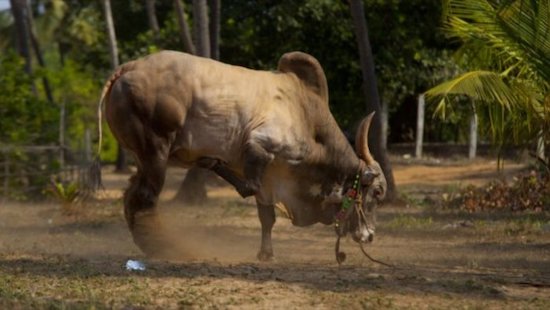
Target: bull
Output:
{"points": [[268, 133]]}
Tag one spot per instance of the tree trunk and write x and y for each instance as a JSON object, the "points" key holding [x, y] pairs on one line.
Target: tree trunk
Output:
{"points": [[121, 164], [193, 188], [113, 49], [215, 15], [152, 17], [185, 33], [371, 94], [38, 53], [19, 11], [385, 124], [540, 146], [200, 28], [472, 149], [420, 126]]}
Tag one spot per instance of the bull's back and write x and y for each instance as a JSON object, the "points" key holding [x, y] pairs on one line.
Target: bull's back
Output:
{"points": [[204, 107]]}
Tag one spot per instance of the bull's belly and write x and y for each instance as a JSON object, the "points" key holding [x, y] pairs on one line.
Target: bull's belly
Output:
{"points": [[299, 197], [191, 146]]}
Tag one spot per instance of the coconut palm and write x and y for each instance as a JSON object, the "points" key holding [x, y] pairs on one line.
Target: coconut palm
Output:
{"points": [[506, 45]]}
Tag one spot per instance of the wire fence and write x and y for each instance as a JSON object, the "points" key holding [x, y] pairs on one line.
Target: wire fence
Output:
{"points": [[26, 172]]}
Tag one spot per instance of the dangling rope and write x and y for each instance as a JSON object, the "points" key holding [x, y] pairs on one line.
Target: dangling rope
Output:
{"points": [[340, 256], [372, 259]]}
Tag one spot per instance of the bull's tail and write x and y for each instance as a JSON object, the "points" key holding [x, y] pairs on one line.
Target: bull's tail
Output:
{"points": [[95, 169]]}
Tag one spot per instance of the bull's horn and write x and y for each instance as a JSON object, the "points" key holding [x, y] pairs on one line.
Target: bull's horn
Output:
{"points": [[362, 140]]}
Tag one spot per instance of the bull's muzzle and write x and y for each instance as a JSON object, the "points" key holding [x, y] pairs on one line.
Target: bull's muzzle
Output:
{"points": [[363, 235]]}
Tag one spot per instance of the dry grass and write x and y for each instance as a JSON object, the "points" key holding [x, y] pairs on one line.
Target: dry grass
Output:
{"points": [[444, 259]]}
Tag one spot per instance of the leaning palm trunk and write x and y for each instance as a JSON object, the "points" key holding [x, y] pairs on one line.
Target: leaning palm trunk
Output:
{"points": [[121, 163], [185, 33], [19, 11], [371, 94], [152, 18]]}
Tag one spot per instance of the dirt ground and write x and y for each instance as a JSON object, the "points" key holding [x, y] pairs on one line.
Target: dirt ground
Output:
{"points": [[443, 259]]}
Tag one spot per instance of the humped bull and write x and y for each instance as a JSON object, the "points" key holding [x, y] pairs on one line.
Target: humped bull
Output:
{"points": [[268, 133]]}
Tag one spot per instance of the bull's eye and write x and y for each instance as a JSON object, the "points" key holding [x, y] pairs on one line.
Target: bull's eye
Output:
{"points": [[369, 177]]}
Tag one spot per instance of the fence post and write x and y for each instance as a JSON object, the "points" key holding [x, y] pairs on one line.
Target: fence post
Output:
{"points": [[87, 146], [472, 148], [540, 146], [62, 135], [6, 175], [385, 125], [419, 126]]}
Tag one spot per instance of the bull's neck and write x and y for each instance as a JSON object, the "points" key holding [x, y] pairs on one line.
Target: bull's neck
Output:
{"points": [[340, 155], [333, 149]]}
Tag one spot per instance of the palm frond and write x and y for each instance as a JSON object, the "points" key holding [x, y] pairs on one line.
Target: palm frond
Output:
{"points": [[515, 33], [507, 44], [483, 86]]}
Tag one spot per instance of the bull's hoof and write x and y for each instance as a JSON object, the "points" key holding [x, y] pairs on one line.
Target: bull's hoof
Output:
{"points": [[264, 256], [246, 192], [151, 237]]}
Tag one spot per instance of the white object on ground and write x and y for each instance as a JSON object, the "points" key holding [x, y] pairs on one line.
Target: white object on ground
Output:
{"points": [[135, 265]]}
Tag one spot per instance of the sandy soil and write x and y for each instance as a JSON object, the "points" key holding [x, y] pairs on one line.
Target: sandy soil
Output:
{"points": [[442, 259]]}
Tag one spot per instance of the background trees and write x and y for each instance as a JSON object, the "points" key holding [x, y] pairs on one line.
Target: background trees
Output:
{"points": [[502, 44]]}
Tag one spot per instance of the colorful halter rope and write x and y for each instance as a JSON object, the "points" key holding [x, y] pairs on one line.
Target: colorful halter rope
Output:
{"points": [[352, 196]]}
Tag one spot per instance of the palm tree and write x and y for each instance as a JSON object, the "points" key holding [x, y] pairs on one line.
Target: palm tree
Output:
{"points": [[19, 11], [215, 16], [506, 45], [152, 18], [200, 28], [37, 51], [121, 163], [185, 33]]}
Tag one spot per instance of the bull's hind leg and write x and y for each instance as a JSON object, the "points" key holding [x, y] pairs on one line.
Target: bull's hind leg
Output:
{"points": [[140, 207], [147, 129]]}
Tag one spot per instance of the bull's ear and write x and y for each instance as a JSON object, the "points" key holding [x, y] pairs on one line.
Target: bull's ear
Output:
{"points": [[308, 69]]}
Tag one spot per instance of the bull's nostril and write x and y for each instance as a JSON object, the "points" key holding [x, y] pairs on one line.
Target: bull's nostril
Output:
{"points": [[370, 238]]}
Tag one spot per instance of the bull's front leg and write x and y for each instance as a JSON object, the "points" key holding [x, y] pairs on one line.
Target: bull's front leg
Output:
{"points": [[221, 169], [256, 159], [266, 213]]}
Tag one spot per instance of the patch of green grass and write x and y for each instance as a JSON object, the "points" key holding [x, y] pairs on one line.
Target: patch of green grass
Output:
{"points": [[410, 222], [190, 297], [377, 302], [511, 227], [234, 208], [43, 292], [417, 200]]}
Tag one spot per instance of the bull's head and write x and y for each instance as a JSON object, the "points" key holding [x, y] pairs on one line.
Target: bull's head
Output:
{"points": [[368, 183], [361, 193]]}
